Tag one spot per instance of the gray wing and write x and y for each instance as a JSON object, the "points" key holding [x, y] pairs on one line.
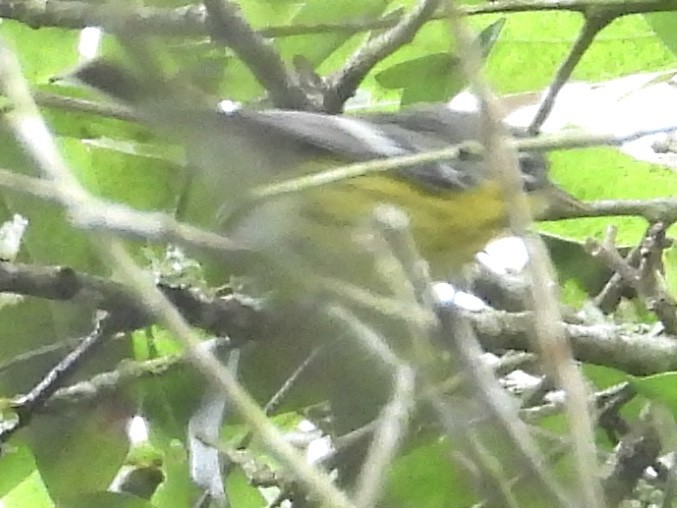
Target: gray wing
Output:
{"points": [[367, 138]]}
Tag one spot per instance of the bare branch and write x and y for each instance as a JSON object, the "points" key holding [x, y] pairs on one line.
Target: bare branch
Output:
{"points": [[190, 20], [645, 278]]}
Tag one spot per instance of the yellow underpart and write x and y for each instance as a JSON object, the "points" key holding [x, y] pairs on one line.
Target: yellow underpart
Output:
{"points": [[449, 226]]}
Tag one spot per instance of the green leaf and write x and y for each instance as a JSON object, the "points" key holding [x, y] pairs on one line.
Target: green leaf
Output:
{"points": [[30, 492], [105, 500], [81, 452], [489, 35], [177, 489], [606, 173], [42, 54], [604, 377], [429, 78], [659, 388], [427, 478], [16, 464], [433, 77], [534, 44], [126, 172], [670, 267], [49, 239], [663, 24], [316, 48], [241, 493]]}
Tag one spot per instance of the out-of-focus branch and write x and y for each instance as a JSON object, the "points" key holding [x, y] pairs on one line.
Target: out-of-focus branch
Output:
{"points": [[548, 331], [40, 144], [653, 210]]}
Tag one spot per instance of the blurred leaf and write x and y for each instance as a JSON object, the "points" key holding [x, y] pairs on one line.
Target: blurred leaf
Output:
{"points": [[80, 452], [30, 492], [69, 123], [659, 388], [42, 54], [489, 35], [604, 377], [663, 24], [168, 401], [241, 493], [317, 47], [261, 14], [126, 172], [16, 464], [670, 266], [434, 77], [177, 489], [427, 478], [533, 45], [580, 274], [49, 239], [606, 173], [429, 78], [106, 500]]}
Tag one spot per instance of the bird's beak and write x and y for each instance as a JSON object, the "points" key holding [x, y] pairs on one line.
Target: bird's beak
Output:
{"points": [[553, 201]]}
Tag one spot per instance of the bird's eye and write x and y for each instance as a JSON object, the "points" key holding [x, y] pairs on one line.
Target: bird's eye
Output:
{"points": [[533, 168]]}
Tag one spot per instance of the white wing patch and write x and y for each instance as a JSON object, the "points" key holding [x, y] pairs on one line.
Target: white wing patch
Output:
{"points": [[370, 136]]}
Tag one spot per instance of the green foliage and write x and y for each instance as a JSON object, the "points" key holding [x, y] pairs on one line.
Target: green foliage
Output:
{"points": [[30, 492], [613, 175], [660, 388], [663, 23], [436, 481], [433, 77], [17, 463], [67, 446], [106, 500], [533, 46]]}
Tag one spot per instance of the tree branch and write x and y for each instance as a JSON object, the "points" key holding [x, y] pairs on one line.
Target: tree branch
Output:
{"points": [[225, 23], [190, 20]]}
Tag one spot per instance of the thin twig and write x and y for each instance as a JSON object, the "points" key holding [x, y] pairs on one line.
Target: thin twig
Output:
{"points": [[562, 141], [27, 405], [645, 278], [594, 24]]}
